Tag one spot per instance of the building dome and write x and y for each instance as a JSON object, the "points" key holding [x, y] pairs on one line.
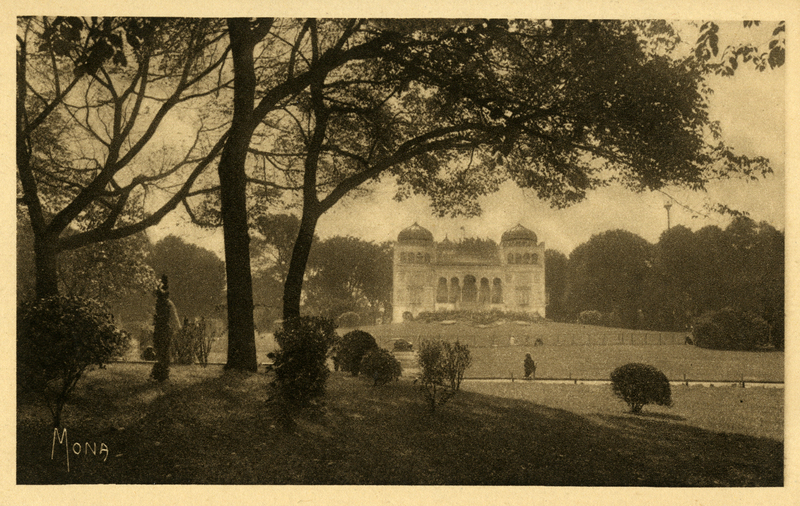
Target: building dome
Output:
{"points": [[518, 233], [415, 233]]}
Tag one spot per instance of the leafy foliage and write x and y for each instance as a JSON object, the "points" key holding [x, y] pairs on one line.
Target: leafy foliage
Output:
{"points": [[641, 384], [354, 345], [607, 274], [300, 364], [196, 275], [728, 329], [457, 359], [381, 366], [58, 339], [706, 49], [346, 274], [442, 364]]}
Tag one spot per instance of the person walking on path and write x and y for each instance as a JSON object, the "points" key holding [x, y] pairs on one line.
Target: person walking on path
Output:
{"points": [[530, 367]]}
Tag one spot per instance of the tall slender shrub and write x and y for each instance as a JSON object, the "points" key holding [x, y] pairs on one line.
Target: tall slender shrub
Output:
{"points": [[162, 333]]}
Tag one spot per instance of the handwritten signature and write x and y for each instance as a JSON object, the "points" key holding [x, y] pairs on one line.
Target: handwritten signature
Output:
{"points": [[77, 448]]}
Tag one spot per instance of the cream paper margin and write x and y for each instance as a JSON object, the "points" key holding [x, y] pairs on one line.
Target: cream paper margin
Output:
{"points": [[10, 493]]}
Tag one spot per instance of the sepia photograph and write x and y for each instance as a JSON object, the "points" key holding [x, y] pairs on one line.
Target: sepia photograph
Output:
{"points": [[538, 253]]}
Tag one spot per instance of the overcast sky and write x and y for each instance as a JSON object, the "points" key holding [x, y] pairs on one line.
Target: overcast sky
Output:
{"points": [[750, 107]]}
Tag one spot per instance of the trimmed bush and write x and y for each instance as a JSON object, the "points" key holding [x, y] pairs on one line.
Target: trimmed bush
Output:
{"points": [[728, 329], [349, 320], [590, 317], [300, 365], [58, 339], [355, 344], [640, 384], [381, 366]]}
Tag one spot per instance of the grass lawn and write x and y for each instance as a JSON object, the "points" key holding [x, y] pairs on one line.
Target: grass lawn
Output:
{"points": [[597, 351], [206, 426]]}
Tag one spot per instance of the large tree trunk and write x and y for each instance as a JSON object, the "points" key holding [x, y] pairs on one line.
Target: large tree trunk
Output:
{"points": [[233, 200], [297, 266], [46, 259]]}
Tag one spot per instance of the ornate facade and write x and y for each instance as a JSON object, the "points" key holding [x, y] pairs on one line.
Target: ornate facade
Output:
{"points": [[430, 276]]}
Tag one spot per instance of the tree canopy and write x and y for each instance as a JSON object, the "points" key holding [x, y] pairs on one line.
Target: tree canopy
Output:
{"points": [[319, 107]]}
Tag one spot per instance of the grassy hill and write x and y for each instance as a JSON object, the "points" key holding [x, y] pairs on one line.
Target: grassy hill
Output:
{"points": [[209, 427]]}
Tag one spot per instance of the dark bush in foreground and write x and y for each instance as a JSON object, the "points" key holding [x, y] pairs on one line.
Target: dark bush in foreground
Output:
{"points": [[58, 339], [443, 365], [381, 366], [640, 384], [300, 368], [729, 329], [354, 345]]}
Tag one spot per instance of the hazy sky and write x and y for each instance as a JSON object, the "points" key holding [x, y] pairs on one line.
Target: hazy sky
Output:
{"points": [[750, 107]]}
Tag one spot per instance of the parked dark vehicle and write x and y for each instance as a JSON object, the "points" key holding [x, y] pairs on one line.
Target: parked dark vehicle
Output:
{"points": [[402, 345]]}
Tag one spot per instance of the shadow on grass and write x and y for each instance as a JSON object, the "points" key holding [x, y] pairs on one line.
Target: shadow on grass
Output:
{"points": [[217, 429], [661, 416]]}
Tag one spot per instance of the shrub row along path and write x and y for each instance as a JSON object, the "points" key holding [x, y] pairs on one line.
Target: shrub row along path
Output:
{"points": [[206, 426]]}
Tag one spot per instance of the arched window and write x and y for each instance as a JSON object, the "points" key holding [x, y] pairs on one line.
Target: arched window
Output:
{"points": [[455, 291], [497, 291], [526, 258], [441, 290], [517, 258], [403, 258], [534, 258], [419, 258], [484, 292], [470, 291], [427, 258], [511, 258]]}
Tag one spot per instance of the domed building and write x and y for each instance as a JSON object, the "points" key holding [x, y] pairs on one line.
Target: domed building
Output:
{"points": [[431, 276]]}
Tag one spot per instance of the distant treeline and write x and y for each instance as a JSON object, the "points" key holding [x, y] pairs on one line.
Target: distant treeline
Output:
{"points": [[666, 286]]}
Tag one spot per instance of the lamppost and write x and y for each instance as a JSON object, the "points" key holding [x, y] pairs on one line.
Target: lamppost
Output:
{"points": [[668, 206]]}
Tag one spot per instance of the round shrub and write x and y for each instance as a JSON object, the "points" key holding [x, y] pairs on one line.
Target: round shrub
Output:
{"points": [[300, 365], [381, 366], [58, 339], [355, 344], [728, 329], [590, 317], [640, 384], [349, 320]]}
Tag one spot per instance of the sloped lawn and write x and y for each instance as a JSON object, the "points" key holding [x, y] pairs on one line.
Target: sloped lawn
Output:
{"points": [[207, 426]]}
